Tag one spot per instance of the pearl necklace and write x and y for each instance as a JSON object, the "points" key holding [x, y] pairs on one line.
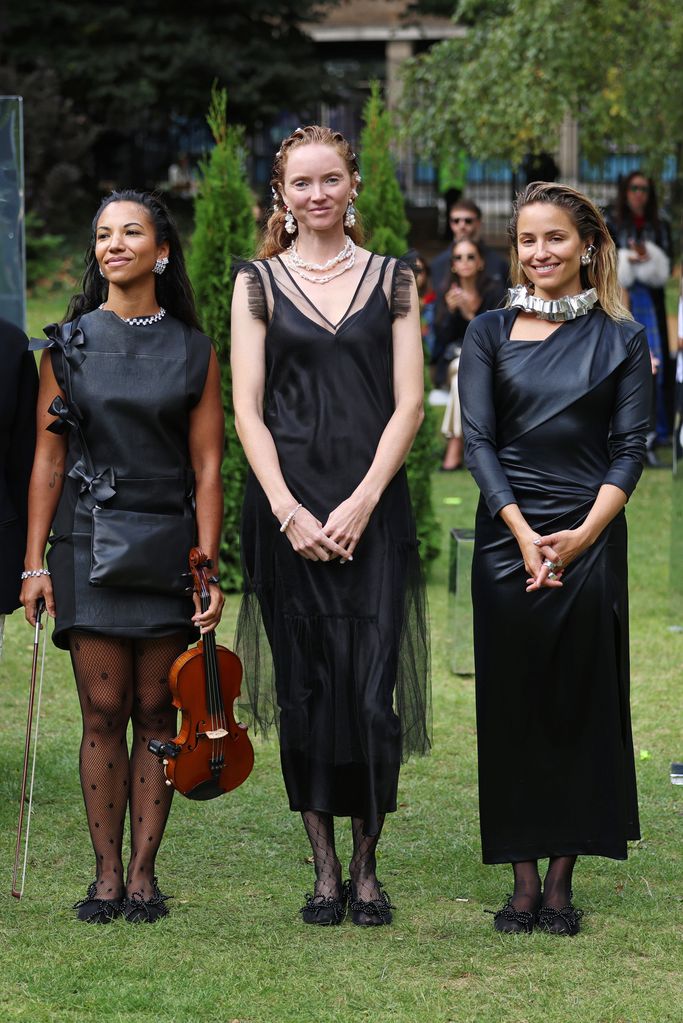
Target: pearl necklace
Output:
{"points": [[554, 309], [296, 259], [351, 259], [140, 321]]}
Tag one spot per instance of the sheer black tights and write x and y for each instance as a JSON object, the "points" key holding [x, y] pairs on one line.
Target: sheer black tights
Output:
{"points": [[557, 885], [320, 831], [122, 680]]}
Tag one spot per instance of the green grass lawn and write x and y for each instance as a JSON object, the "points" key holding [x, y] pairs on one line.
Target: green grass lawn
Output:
{"points": [[234, 948]]}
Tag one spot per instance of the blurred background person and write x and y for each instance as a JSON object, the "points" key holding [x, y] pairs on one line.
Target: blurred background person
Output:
{"points": [[464, 218], [643, 239], [469, 293]]}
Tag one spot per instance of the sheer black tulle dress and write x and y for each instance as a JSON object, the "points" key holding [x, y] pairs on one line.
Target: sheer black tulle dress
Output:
{"points": [[348, 681], [546, 423]]}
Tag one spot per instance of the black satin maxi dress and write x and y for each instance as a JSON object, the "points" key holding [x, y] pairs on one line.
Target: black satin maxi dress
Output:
{"points": [[546, 423], [349, 642]]}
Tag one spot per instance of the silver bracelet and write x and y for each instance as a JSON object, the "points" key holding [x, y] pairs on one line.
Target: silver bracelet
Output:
{"points": [[35, 572], [290, 518]]}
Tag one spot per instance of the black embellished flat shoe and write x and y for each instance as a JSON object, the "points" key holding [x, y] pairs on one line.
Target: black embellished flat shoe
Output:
{"points": [[138, 910], [559, 921], [370, 913], [325, 911], [93, 910], [509, 920]]}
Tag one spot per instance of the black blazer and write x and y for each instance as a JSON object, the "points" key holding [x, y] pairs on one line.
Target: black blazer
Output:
{"points": [[18, 393]]}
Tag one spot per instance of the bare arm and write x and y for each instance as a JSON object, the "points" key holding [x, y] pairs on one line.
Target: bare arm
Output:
{"points": [[248, 361], [348, 520], [45, 488], [206, 452]]}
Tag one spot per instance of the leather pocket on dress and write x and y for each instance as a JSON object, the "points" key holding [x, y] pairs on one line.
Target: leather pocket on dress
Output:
{"points": [[140, 550]]}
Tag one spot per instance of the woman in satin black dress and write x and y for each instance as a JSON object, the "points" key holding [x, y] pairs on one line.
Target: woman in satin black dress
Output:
{"points": [[555, 416], [327, 379], [142, 381]]}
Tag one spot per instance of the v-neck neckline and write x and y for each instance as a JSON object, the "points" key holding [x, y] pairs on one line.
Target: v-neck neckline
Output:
{"points": [[333, 326]]}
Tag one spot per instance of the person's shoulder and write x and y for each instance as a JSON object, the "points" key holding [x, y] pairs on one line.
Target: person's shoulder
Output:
{"points": [[12, 335], [488, 327], [627, 331]]}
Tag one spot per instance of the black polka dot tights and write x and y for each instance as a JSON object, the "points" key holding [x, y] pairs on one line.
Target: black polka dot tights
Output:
{"points": [[122, 680]]}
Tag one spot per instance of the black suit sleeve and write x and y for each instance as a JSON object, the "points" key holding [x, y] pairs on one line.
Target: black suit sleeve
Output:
{"points": [[22, 439]]}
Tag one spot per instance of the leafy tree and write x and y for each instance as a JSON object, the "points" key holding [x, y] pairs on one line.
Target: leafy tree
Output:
{"points": [[224, 231], [133, 70], [381, 206], [504, 89]]}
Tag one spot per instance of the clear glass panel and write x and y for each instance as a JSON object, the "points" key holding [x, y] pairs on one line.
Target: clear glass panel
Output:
{"points": [[460, 601], [12, 250]]}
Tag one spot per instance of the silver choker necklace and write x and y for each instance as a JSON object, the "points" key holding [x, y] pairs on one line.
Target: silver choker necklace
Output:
{"points": [[140, 321], [554, 309]]}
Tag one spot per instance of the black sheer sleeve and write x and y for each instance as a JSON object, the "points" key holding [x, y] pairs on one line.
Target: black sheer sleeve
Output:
{"points": [[256, 295], [631, 416], [476, 389], [401, 285]]}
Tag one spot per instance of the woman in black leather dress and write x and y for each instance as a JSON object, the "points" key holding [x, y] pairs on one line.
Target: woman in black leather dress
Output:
{"points": [[130, 373], [555, 403], [327, 375]]}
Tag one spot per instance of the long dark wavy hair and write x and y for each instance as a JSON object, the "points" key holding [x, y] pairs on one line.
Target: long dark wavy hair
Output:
{"points": [[622, 210], [173, 289]]}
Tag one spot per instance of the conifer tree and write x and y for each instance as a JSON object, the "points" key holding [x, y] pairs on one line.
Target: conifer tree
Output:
{"points": [[381, 206], [224, 232]]}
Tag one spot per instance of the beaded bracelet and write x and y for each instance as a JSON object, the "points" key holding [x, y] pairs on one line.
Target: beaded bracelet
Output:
{"points": [[35, 572], [290, 518]]}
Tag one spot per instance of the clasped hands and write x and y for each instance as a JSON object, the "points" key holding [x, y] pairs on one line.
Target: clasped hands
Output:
{"points": [[546, 557], [337, 538]]}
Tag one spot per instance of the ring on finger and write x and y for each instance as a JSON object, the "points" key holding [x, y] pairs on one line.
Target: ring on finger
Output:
{"points": [[551, 575], [551, 564]]}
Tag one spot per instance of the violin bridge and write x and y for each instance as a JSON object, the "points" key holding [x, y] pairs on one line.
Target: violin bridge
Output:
{"points": [[217, 733]]}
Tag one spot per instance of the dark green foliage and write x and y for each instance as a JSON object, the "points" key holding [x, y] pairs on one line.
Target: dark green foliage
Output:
{"points": [[382, 209], [43, 251], [224, 232], [380, 203]]}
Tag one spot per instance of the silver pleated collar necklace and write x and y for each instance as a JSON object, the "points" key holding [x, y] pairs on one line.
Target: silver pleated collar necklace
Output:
{"points": [[554, 309]]}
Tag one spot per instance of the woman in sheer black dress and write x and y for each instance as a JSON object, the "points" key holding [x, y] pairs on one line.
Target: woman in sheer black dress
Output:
{"points": [[555, 416], [327, 379], [131, 366]]}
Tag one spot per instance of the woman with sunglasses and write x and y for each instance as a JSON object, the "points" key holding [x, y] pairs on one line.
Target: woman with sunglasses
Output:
{"points": [[643, 239], [470, 293]]}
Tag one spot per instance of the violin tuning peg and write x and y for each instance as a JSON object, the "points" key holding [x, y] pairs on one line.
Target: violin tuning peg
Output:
{"points": [[168, 781], [164, 762], [189, 589]]}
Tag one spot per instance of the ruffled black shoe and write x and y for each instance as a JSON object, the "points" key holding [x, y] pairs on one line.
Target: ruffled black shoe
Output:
{"points": [[371, 913], [325, 911], [509, 920], [93, 910], [138, 910], [560, 921]]}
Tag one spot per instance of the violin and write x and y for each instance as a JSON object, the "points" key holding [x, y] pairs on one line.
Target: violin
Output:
{"points": [[212, 753]]}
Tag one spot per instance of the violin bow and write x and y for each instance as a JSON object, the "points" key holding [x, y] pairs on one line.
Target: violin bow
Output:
{"points": [[18, 892]]}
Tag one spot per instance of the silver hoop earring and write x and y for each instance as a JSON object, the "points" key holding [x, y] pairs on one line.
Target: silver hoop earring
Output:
{"points": [[290, 222], [587, 257], [160, 265], [101, 270], [350, 215]]}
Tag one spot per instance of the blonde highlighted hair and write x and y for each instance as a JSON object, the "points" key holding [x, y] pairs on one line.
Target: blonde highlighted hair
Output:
{"points": [[275, 239], [601, 272]]}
